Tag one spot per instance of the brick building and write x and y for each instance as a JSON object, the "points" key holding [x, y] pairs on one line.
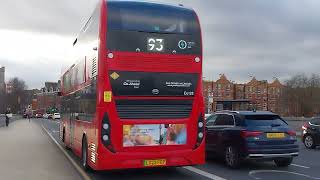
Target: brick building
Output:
{"points": [[274, 95], [48, 97], [257, 94], [222, 90]]}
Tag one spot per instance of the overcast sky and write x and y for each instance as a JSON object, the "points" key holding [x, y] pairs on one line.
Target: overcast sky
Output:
{"points": [[262, 38]]}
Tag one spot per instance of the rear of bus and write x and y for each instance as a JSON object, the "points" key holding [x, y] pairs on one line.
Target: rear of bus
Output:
{"points": [[151, 85]]}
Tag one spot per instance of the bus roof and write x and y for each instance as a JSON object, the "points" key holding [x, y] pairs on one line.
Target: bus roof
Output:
{"points": [[152, 3]]}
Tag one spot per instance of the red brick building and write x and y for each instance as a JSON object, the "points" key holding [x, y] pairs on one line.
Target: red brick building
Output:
{"points": [[274, 95], [48, 97], [257, 94], [222, 90]]}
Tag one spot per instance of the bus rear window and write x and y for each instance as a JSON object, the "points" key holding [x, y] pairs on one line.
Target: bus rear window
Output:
{"points": [[148, 17]]}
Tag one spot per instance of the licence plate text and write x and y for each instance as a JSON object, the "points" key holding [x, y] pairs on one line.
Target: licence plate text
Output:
{"points": [[275, 135], [155, 162]]}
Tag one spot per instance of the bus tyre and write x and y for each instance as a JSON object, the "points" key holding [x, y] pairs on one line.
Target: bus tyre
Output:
{"points": [[84, 156], [232, 157], [63, 138], [283, 162], [63, 135]]}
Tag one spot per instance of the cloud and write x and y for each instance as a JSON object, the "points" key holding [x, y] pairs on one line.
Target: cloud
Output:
{"points": [[34, 57], [241, 38]]}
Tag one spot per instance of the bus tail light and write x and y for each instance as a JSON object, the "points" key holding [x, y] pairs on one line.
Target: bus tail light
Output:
{"points": [[200, 133], [106, 132]]}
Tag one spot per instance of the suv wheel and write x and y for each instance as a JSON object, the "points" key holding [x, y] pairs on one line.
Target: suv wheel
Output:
{"points": [[283, 162], [232, 157], [309, 142]]}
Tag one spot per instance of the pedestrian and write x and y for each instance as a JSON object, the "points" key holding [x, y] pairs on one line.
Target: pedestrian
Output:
{"points": [[29, 114], [7, 118]]}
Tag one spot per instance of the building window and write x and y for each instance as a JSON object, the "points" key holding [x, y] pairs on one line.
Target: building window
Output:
{"points": [[258, 90], [228, 87], [219, 86]]}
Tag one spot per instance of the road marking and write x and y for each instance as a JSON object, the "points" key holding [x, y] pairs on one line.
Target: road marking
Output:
{"points": [[78, 168], [297, 165], [56, 131], [253, 173], [203, 173]]}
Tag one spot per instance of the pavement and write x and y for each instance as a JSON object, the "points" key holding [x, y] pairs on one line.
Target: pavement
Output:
{"points": [[26, 152], [3, 119], [306, 166]]}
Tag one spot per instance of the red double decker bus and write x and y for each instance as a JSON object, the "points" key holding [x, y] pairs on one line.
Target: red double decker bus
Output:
{"points": [[134, 97]]}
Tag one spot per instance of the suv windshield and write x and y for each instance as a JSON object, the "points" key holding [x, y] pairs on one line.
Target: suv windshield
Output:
{"points": [[264, 120], [149, 17]]}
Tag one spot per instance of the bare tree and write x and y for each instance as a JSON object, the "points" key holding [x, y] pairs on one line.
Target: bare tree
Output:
{"points": [[16, 98], [302, 95]]}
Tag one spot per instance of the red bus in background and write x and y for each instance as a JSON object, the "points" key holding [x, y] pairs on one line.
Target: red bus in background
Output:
{"points": [[134, 97]]}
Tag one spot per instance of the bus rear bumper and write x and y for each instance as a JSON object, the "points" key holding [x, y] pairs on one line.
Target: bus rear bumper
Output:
{"points": [[127, 160]]}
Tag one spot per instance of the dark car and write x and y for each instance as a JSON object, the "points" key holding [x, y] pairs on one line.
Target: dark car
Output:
{"points": [[39, 115], [250, 135], [311, 133]]}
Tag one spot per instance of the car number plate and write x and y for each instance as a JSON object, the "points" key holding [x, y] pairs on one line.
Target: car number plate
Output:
{"points": [[275, 135], [154, 162]]}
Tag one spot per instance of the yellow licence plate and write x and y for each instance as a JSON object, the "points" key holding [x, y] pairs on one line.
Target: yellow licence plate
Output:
{"points": [[155, 162], [275, 135]]}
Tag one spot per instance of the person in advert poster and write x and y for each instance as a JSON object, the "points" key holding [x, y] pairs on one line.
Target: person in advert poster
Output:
{"points": [[154, 134]]}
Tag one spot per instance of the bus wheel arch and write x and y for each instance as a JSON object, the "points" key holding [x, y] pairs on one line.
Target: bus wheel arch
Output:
{"points": [[84, 153], [63, 135]]}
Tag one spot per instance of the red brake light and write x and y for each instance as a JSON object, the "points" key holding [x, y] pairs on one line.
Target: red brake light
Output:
{"points": [[291, 133], [246, 134]]}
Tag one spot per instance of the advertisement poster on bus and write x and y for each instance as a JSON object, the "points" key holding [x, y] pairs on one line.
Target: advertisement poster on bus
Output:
{"points": [[154, 134]]}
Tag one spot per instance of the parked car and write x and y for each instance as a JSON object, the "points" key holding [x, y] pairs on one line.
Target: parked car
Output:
{"points": [[55, 116], [311, 133], [45, 116], [206, 115], [250, 135], [38, 115], [50, 116]]}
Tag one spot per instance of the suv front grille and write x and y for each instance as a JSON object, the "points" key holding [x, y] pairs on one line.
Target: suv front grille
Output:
{"points": [[153, 109]]}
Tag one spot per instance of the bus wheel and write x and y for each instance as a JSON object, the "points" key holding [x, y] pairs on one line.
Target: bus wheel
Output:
{"points": [[63, 135], [63, 138], [84, 157]]}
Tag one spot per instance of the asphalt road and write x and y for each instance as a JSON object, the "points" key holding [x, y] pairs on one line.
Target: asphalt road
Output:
{"points": [[306, 166]]}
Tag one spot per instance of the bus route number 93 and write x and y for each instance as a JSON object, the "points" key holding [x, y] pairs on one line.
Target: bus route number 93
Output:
{"points": [[155, 45]]}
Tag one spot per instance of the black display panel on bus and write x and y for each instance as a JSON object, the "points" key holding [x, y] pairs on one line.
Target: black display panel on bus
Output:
{"points": [[125, 83], [150, 27]]}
